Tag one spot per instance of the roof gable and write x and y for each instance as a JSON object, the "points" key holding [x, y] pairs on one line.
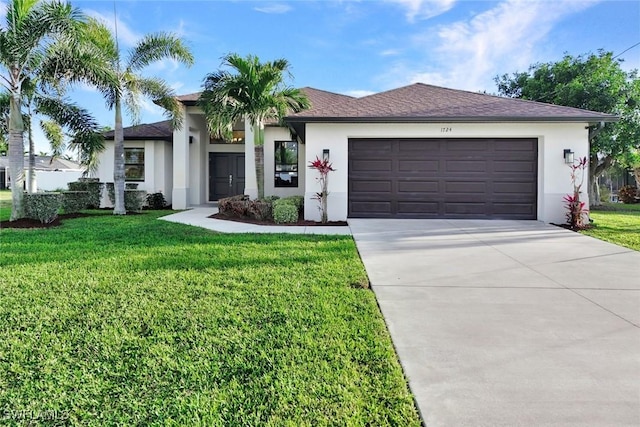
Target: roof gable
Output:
{"points": [[158, 131]]}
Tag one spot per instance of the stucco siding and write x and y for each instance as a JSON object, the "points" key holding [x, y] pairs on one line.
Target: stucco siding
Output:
{"points": [[553, 175]]}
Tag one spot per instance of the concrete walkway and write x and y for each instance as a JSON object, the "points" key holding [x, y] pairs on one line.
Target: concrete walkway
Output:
{"points": [[509, 323], [199, 217]]}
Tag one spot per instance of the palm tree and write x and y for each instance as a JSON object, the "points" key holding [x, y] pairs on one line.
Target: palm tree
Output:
{"points": [[43, 42], [251, 90], [131, 87]]}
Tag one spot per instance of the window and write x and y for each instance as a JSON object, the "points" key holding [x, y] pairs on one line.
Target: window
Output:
{"points": [[286, 157], [134, 164]]}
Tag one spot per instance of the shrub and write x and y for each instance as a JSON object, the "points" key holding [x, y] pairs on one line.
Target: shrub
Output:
{"points": [[91, 185], [134, 200], [260, 210], [298, 201], [628, 194], [233, 206], [75, 201], [42, 206], [156, 201], [111, 190], [285, 213]]}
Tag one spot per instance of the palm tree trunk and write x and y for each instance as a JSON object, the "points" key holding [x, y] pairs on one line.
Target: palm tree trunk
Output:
{"points": [[258, 139], [16, 156], [118, 163], [31, 171]]}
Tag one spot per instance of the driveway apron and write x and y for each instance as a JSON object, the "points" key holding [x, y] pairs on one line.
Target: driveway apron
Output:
{"points": [[508, 323]]}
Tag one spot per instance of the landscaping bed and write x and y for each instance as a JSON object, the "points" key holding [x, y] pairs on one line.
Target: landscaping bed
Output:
{"points": [[127, 320], [300, 222]]}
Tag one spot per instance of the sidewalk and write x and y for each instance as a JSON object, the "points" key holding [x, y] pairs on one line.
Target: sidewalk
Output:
{"points": [[199, 217]]}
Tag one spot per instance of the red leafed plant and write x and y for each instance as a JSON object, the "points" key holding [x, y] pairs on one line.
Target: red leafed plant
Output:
{"points": [[577, 211], [323, 167]]}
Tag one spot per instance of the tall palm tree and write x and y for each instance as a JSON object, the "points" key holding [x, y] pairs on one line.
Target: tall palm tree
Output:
{"points": [[43, 41], [254, 91], [131, 87]]}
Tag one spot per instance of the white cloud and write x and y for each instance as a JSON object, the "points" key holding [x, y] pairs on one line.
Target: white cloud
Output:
{"points": [[126, 36], [273, 8], [358, 93], [390, 52], [424, 9], [468, 54]]}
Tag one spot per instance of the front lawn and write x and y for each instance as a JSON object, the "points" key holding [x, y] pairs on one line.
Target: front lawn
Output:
{"points": [[5, 205], [135, 321], [619, 227]]}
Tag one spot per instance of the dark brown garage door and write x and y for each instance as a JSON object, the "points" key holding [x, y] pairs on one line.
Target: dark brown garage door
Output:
{"points": [[443, 178]]}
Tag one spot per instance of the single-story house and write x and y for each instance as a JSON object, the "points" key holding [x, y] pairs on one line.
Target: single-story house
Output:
{"points": [[419, 151], [51, 173]]}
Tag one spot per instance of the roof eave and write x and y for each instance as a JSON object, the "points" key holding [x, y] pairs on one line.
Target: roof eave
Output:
{"points": [[472, 119]]}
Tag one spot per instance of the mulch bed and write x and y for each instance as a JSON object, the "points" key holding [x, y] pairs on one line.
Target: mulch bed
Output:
{"points": [[568, 227], [34, 223], [301, 221]]}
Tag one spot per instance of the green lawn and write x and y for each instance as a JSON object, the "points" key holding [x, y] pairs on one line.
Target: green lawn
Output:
{"points": [[620, 227], [5, 205], [134, 321]]}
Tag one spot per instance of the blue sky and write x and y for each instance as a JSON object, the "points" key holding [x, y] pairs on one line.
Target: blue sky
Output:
{"points": [[361, 47]]}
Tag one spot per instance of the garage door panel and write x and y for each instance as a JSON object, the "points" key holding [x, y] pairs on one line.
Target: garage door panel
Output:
{"points": [[477, 209], [418, 165], [425, 187], [514, 145], [463, 187], [467, 145], [418, 207], [443, 178], [466, 166], [370, 186], [420, 147], [372, 166], [514, 187]]}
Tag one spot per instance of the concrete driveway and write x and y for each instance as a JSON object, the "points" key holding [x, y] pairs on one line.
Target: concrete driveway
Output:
{"points": [[509, 323]]}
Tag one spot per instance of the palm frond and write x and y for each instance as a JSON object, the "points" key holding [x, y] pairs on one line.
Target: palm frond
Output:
{"points": [[155, 47], [54, 134]]}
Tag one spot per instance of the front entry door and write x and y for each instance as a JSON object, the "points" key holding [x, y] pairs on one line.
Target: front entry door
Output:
{"points": [[226, 175]]}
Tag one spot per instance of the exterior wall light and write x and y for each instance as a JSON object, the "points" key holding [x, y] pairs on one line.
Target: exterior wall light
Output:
{"points": [[325, 154], [568, 156]]}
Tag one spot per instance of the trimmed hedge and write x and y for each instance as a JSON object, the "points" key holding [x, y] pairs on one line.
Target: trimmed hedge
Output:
{"points": [[91, 185], [628, 194], [111, 190], [75, 201], [134, 200], [42, 206], [284, 213], [156, 201]]}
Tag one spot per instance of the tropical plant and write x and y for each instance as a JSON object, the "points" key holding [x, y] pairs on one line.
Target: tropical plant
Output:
{"points": [[42, 49], [594, 82], [130, 87], [251, 90], [323, 167], [577, 211]]}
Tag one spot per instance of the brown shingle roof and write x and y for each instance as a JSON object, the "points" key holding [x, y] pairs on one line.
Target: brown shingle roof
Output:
{"points": [[318, 98], [158, 131], [426, 103]]}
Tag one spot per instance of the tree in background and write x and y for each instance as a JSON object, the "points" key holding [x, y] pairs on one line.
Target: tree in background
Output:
{"points": [[593, 82], [251, 90], [130, 87], [43, 42]]}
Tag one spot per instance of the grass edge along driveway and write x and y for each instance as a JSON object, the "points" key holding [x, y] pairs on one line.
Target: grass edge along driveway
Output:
{"points": [[134, 321], [620, 226]]}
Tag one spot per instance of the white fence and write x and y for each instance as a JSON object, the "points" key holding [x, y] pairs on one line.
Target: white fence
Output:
{"points": [[54, 180]]}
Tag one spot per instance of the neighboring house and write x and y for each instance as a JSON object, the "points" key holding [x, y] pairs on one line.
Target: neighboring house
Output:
{"points": [[418, 151], [50, 174]]}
